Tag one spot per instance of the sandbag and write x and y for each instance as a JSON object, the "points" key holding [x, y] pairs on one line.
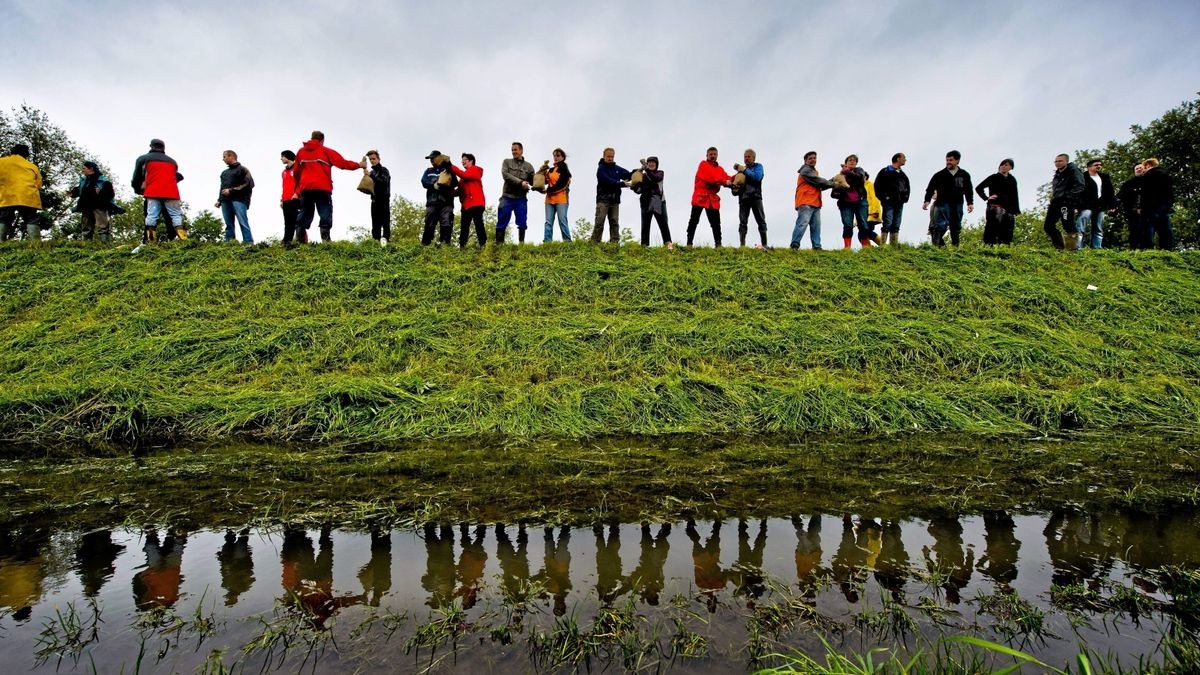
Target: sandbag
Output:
{"points": [[539, 178], [444, 178], [635, 178], [366, 185], [839, 181]]}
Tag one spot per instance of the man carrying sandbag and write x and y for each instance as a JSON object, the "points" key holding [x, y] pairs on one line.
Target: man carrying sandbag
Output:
{"points": [[750, 200], [381, 199], [517, 174], [610, 178], [710, 178], [313, 172], [439, 184]]}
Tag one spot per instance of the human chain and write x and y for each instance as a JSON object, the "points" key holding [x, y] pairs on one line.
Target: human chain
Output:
{"points": [[1080, 199]]}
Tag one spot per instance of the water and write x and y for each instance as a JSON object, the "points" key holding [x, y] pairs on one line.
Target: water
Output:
{"points": [[340, 601]]}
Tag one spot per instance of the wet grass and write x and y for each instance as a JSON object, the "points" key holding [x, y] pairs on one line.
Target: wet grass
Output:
{"points": [[594, 482], [343, 342]]}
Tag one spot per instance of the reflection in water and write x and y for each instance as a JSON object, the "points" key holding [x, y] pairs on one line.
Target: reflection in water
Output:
{"points": [[706, 559], [308, 576], [96, 560], [648, 578], [850, 559], [376, 575], [471, 562], [439, 565], [948, 557], [808, 554], [1077, 548], [157, 586], [237, 565], [21, 569], [514, 562], [747, 574], [609, 584], [556, 572], [892, 565], [999, 561]]}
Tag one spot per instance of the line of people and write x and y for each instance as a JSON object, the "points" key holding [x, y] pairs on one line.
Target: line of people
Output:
{"points": [[1080, 200]]}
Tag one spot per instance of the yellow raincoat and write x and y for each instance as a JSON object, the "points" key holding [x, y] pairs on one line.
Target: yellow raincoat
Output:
{"points": [[20, 182]]}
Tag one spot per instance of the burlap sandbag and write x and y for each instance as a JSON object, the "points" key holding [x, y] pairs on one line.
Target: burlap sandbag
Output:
{"points": [[539, 178], [444, 178], [635, 178], [739, 178], [839, 182], [366, 185]]}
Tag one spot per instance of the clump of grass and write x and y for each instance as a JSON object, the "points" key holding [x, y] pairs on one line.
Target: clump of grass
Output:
{"points": [[331, 343]]}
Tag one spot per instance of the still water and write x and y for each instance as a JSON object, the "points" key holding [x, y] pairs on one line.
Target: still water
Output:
{"points": [[681, 596]]}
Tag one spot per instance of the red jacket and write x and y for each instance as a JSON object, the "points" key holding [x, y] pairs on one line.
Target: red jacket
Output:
{"points": [[154, 176], [314, 166], [289, 184], [470, 187], [709, 179]]}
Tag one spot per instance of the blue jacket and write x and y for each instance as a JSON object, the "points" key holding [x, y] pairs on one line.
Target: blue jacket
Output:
{"points": [[608, 182], [435, 195], [101, 196], [754, 178]]}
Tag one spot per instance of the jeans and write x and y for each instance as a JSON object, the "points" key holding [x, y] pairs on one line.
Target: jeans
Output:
{"points": [[469, 216], [443, 217], [806, 217], [230, 210], [1092, 222], [381, 219], [507, 206], [173, 207], [745, 208], [663, 228], [561, 211], [852, 211], [322, 202], [892, 213], [612, 212], [714, 220], [1056, 213], [946, 216]]}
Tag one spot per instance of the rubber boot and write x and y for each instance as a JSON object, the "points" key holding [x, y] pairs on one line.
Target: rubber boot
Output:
{"points": [[846, 241], [325, 234], [1070, 241], [521, 236], [499, 236], [181, 233]]}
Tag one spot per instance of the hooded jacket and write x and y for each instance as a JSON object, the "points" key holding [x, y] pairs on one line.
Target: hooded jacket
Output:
{"points": [[892, 186], [20, 182], [94, 192], [289, 184], [857, 179], [313, 169], [608, 182], [156, 176], [470, 186], [809, 185], [1067, 185], [709, 179]]}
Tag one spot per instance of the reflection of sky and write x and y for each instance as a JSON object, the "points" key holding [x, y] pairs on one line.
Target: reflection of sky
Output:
{"points": [[408, 563], [1022, 79]]}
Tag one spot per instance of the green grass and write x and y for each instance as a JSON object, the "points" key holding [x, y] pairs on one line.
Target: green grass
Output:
{"points": [[355, 343]]}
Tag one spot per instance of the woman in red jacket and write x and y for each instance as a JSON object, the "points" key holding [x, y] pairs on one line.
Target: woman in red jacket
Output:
{"points": [[470, 192]]}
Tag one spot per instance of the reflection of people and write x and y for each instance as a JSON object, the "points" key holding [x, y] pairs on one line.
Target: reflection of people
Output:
{"points": [[438, 580], [648, 577], [1077, 549], [891, 567], [471, 562], [748, 575], [808, 553], [514, 562], [947, 554], [557, 570], [308, 578], [95, 559], [706, 559], [157, 585], [849, 561], [237, 565], [999, 560], [21, 570], [608, 564], [376, 575]]}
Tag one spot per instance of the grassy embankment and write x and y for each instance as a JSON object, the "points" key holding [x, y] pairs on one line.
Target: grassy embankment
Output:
{"points": [[354, 343]]}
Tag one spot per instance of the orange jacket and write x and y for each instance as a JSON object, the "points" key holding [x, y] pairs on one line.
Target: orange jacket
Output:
{"points": [[709, 179]]}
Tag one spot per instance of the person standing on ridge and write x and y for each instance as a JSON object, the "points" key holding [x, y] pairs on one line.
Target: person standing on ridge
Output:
{"points": [[1158, 199], [750, 200], [610, 178], [652, 202], [156, 177], [234, 199], [809, 185], [514, 197], [94, 202], [999, 190], [893, 190], [381, 199], [314, 182], [1066, 191], [289, 202], [20, 194], [951, 186], [710, 178], [1129, 198], [439, 186], [471, 195], [558, 189], [1098, 197], [852, 204]]}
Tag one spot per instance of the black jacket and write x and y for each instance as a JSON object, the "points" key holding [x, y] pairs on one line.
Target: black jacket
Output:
{"points": [[651, 185], [950, 188], [1156, 190], [237, 179], [1067, 185], [438, 196], [1005, 190], [1101, 199], [891, 186], [383, 184], [609, 179], [1129, 197], [857, 179]]}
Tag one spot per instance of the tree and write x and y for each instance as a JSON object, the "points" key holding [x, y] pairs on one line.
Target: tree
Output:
{"points": [[59, 158], [1174, 138]]}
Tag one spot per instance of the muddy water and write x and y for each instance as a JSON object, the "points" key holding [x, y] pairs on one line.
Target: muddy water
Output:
{"points": [[705, 596]]}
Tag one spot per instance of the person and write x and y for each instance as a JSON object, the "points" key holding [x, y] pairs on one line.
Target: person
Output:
{"points": [[314, 182], [234, 199], [439, 198], [750, 199], [470, 193], [952, 184], [652, 202], [852, 204], [893, 190], [289, 201], [94, 202], [1098, 197], [381, 199], [20, 194], [1158, 199], [710, 177], [558, 188], [1066, 190], [999, 190], [514, 197], [610, 178], [1129, 199], [809, 186], [156, 177]]}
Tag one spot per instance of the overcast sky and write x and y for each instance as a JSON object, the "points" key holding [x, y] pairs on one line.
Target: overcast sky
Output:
{"points": [[1019, 79]]}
